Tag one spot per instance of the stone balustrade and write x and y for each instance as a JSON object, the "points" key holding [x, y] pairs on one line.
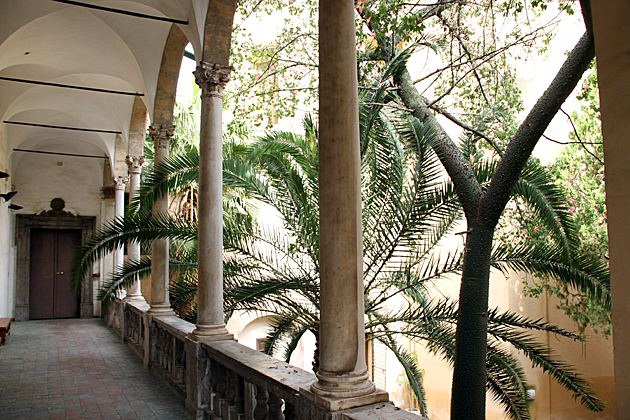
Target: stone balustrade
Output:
{"points": [[134, 326], [224, 380]]}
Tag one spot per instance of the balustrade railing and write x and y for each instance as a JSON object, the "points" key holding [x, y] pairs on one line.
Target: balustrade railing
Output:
{"points": [[134, 326], [224, 380], [170, 355]]}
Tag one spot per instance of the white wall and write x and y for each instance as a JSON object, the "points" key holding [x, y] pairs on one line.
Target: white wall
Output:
{"points": [[108, 212], [6, 283], [39, 178]]}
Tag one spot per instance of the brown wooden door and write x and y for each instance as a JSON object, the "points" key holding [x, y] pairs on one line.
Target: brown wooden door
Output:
{"points": [[51, 257]]}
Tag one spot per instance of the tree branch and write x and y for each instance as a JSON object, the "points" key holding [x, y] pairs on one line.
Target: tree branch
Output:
{"points": [[520, 148], [577, 135], [464, 180], [466, 127], [588, 18]]}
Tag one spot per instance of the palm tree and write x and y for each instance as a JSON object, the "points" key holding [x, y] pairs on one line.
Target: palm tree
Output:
{"points": [[408, 208]]}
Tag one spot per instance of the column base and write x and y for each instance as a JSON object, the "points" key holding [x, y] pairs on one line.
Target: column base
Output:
{"points": [[334, 391], [133, 298], [160, 310], [210, 333]]}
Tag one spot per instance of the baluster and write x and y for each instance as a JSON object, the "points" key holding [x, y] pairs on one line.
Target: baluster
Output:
{"points": [[228, 403], [275, 407], [126, 318], [172, 355], [220, 389], [183, 363], [289, 411], [160, 346], [261, 412], [131, 327], [205, 388], [164, 347], [141, 320], [239, 400], [250, 399], [230, 394], [214, 375], [177, 362]]}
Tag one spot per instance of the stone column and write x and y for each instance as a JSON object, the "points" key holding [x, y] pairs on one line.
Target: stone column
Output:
{"points": [[119, 199], [161, 135], [611, 28], [211, 78], [133, 249], [342, 378]]}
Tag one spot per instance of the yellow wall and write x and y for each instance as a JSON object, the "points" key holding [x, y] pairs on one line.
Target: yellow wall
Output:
{"points": [[593, 358]]}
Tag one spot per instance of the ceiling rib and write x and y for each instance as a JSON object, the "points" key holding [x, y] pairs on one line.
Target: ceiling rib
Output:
{"points": [[61, 127], [59, 153], [60, 85], [123, 12]]}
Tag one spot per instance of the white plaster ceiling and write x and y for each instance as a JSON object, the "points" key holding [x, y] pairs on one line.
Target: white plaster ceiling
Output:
{"points": [[54, 42]]}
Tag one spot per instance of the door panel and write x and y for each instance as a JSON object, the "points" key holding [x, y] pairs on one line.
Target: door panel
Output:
{"points": [[51, 258], [42, 273], [66, 303]]}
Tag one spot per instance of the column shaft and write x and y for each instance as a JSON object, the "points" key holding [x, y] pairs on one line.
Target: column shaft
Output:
{"points": [[160, 305], [342, 379], [611, 27], [119, 200], [133, 249], [210, 325]]}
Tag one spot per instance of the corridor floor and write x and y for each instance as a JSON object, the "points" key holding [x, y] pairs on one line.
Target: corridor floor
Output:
{"points": [[78, 369]]}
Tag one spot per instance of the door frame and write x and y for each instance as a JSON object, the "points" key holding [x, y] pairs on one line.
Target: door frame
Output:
{"points": [[47, 220]]}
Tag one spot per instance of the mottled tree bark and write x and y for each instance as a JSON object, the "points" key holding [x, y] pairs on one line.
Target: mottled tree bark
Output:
{"points": [[482, 212]]}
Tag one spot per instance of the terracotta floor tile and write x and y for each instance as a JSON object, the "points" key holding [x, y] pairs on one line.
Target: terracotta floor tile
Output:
{"points": [[78, 369]]}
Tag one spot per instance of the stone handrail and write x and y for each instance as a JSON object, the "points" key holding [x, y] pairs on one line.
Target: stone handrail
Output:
{"points": [[224, 380]]}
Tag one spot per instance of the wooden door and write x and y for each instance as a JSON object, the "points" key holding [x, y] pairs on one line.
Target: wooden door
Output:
{"points": [[51, 257]]}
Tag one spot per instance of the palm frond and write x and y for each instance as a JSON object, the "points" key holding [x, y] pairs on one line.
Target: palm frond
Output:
{"points": [[412, 371], [587, 275], [538, 189], [133, 228], [122, 278]]}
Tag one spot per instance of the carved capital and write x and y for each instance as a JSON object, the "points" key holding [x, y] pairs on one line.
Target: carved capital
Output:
{"points": [[135, 163], [161, 134], [212, 78], [120, 182]]}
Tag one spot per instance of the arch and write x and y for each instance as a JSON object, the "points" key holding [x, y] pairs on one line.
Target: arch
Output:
{"points": [[218, 32], [137, 128], [254, 330], [169, 74]]}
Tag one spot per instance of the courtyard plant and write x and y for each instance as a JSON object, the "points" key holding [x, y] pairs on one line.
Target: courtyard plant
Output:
{"points": [[409, 208]]}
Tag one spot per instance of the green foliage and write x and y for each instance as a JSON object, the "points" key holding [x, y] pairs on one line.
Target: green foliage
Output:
{"points": [[407, 209], [477, 42], [272, 80], [580, 173], [580, 170]]}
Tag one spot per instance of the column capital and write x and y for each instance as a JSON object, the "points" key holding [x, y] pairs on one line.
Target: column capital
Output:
{"points": [[212, 78], [120, 182], [161, 134], [135, 163]]}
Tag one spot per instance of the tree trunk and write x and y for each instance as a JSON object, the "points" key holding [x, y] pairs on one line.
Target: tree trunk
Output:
{"points": [[482, 214], [468, 396]]}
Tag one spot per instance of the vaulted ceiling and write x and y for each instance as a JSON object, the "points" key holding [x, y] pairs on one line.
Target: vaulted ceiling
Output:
{"points": [[55, 42]]}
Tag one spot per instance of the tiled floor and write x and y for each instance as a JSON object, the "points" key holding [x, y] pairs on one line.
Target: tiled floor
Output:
{"points": [[78, 369]]}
